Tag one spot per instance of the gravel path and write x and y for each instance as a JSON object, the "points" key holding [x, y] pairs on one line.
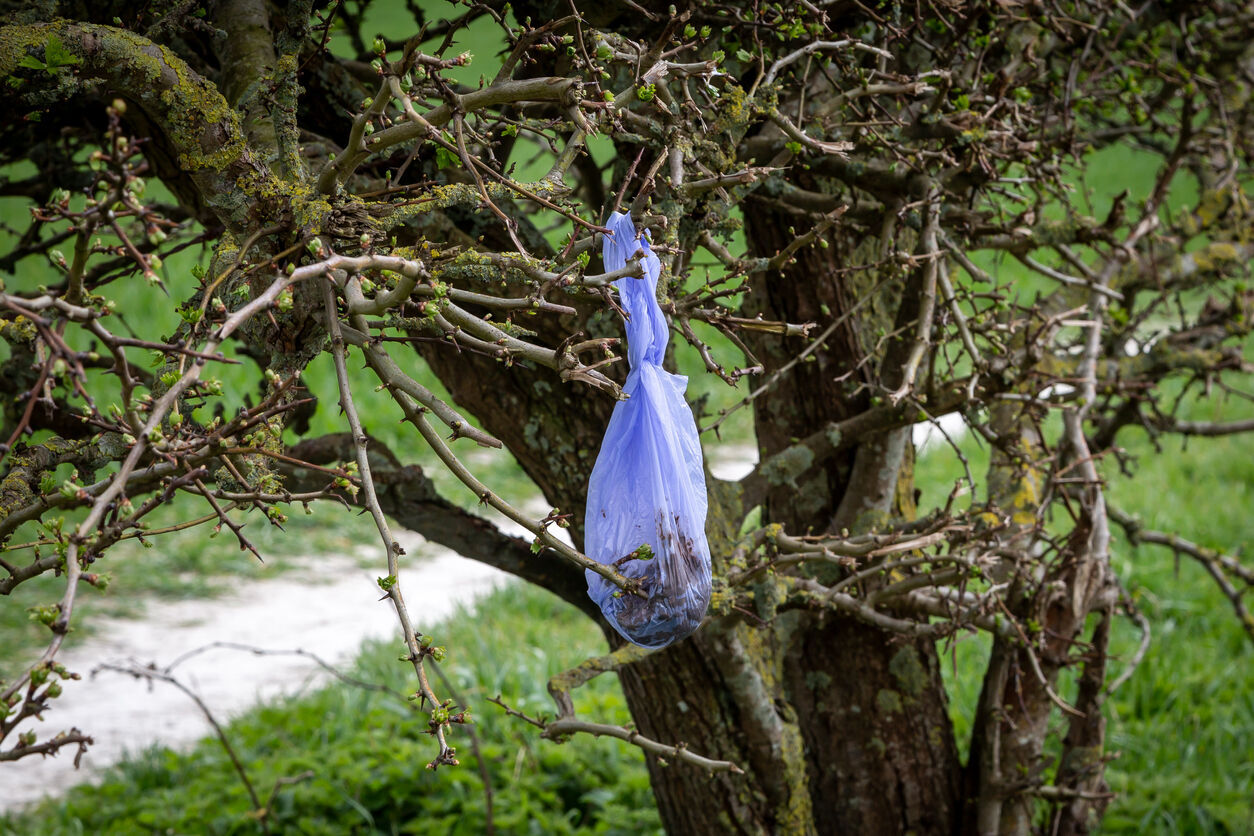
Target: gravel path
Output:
{"points": [[328, 607]]}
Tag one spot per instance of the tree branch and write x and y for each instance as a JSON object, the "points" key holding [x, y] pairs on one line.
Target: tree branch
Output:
{"points": [[410, 498], [203, 130]]}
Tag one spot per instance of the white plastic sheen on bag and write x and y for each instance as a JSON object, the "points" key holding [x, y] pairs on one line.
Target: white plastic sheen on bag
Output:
{"points": [[646, 498]]}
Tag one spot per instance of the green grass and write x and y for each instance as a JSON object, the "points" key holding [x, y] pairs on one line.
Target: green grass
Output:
{"points": [[368, 750], [1184, 723]]}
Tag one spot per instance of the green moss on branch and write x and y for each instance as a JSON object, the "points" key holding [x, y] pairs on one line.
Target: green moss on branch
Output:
{"points": [[203, 131]]}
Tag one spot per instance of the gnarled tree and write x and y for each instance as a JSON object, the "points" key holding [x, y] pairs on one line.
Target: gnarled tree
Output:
{"points": [[880, 160]]}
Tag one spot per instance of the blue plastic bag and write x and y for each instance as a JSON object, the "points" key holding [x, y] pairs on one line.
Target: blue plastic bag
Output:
{"points": [[646, 498]]}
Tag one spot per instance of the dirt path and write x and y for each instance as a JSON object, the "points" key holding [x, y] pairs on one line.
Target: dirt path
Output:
{"points": [[329, 608]]}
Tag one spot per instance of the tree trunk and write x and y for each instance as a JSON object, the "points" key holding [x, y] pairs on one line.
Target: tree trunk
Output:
{"points": [[840, 727], [848, 737]]}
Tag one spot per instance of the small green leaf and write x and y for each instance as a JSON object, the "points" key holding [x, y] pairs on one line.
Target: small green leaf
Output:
{"points": [[56, 55], [444, 158]]}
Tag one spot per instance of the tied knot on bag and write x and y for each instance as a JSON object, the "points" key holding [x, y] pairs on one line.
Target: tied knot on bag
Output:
{"points": [[646, 498]]}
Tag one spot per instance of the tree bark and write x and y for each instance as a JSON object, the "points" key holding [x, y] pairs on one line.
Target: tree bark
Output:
{"points": [[840, 727], [879, 746]]}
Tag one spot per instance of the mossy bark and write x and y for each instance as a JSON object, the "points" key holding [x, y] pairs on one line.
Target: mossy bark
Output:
{"points": [[198, 137], [879, 748]]}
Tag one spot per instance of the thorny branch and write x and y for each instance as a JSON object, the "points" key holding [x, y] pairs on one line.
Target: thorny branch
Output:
{"points": [[417, 652], [566, 724]]}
